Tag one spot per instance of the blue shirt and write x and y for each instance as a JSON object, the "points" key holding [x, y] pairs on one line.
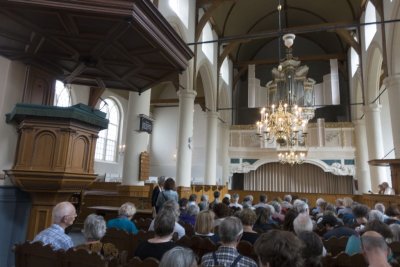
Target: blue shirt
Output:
{"points": [[123, 223], [56, 237]]}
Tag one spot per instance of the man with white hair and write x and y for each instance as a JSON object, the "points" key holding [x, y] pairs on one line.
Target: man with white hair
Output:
{"points": [[302, 223], [63, 215]]}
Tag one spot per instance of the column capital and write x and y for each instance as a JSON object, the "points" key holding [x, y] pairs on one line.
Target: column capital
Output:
{"points": [[375, 107], [392, 81], [187, 93]]}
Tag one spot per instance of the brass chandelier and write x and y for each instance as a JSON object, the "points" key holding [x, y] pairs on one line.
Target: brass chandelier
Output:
{"points": [[290, 105]]}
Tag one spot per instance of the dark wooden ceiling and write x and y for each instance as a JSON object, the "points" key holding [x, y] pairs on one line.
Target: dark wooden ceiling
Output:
{"points": [[109, 44]]}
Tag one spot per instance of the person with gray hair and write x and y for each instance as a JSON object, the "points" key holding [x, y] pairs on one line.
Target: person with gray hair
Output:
{"points": [[230, 231], [190, 215], [203, 205], [301, 206], [235, 203], [263, 201], [63, 215], [375, 215], [94, 228], [179, 257], [287, 198], [172, 207], [124, 220], [375, 249], [302, 223]]}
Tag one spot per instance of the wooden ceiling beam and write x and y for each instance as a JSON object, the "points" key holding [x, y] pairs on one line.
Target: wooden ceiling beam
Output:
{"points": [[346, 36], [227, 50]]}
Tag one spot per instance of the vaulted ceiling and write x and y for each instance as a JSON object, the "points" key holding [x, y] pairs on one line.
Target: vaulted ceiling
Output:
{"points": [[248, 32]]}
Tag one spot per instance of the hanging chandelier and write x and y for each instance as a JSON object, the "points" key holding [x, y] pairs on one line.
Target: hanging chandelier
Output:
{"points": [[290, 105], [292, 156]]}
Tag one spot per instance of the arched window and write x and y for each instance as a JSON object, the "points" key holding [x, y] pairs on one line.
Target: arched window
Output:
{"points": [[355, 61], [369, 30], [207, 48], [181, 9], [107, 143], [225, 71], [62, 96]]}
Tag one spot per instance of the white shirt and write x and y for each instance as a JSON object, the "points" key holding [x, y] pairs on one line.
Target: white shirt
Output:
{"points": [[389, 191]]}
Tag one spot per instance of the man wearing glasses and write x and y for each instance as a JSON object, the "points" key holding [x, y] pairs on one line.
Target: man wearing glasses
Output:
{"points": [[64, 214]]}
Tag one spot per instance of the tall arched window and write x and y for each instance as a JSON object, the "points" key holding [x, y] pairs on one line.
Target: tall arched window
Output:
{"points": [[370, 30], [181, 8], [106, 146], [62, 96], [207, 48]]}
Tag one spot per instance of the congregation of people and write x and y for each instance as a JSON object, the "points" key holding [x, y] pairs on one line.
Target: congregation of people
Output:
{"points": [[283, 232]]}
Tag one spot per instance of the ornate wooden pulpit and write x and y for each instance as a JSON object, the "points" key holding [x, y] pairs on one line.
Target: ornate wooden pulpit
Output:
{"points": [[394, 165], [54, 156]]}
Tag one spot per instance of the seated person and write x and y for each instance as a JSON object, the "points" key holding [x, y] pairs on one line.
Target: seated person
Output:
{"points": [[334, 228], [192, 200], [230, 232], [264, 220], [204, 226], [302, 223], [172, 207], [162, 242], [375, 249], [179, 257], [248, 218], [279, 248], [94, 228], [190, 215], [203, 205], [221, 212], [63, 215], [313, 248], [124, 221]]}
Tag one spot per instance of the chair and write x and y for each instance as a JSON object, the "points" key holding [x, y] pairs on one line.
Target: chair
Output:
{"points": [[189, 230], [335, 245], [202, 245], [83, 258], [122, 241], [137, 262], [36, 254], [185, 241], [395, 247], [246, 249], [143, 235], [345, 260]]}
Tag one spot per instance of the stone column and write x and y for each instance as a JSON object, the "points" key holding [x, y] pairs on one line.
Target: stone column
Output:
{"points": [[136, 142], [225, 154], [362, 168], [185, 135], [393, 86], [211, 149], [375, 144]]}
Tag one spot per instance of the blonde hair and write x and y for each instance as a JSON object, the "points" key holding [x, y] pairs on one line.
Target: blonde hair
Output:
{"points": [[127, 209], [347, 202], [204, 222]]}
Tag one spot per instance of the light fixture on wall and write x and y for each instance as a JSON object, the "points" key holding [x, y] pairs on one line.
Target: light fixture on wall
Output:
{"points": [[121, 150], [290, 105]]}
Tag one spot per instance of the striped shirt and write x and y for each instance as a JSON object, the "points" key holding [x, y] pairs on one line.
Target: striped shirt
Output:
{"points": [[226, 256], [56, 237]]}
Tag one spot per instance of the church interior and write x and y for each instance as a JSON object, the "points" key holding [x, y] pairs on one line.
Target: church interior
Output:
{"points": [[250, 98]]}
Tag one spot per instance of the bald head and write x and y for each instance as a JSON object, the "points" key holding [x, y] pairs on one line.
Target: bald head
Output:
{"points": [[63, 210], [372, 240]]}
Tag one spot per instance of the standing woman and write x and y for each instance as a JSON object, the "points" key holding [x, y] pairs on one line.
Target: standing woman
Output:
{"points": [[169, 193], [155, 193]]}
